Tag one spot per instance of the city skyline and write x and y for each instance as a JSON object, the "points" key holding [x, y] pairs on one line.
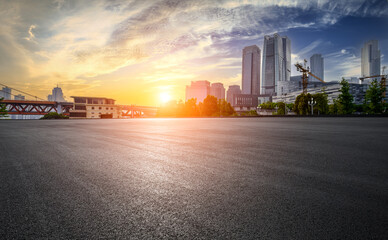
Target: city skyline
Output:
{"points": [[134, 51]]}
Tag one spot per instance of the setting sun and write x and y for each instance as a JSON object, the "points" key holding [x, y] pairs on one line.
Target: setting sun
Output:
{"points": [[165, 97]]}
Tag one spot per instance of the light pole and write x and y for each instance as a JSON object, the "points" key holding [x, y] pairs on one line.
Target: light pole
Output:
{"points": [[312, 103]]}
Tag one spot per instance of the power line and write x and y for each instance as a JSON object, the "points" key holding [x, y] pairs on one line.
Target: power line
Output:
{"points": [[9, 93], [22, 92]]}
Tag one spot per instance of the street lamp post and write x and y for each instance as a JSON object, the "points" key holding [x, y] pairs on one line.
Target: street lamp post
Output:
{"points": [[312, 103]]}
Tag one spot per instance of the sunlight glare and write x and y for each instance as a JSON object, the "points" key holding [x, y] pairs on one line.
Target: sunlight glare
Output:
{"points": [[165, 97]]}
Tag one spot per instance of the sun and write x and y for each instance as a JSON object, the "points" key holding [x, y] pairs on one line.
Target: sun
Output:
{"points": [[165, 97]]}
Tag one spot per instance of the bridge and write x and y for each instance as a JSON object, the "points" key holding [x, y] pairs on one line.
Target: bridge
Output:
{"points": [[28, 107], [134, 111], [42, 107]]}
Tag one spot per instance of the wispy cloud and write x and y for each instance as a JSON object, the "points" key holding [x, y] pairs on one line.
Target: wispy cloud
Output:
{"points": [[152, 42]]}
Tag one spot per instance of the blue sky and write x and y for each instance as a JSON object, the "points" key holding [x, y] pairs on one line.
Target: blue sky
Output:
{"points": [[133, 50]]}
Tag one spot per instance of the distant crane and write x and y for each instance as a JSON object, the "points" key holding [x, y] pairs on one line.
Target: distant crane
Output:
{"points": [[383, 80], [305, 73]]}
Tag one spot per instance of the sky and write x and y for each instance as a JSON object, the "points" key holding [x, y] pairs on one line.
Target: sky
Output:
{"points": [[136, 50]]}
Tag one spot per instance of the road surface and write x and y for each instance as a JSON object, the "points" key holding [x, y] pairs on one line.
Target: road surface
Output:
{"points": [[251, 178]]}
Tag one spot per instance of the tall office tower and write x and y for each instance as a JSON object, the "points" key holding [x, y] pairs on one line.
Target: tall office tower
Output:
{"points": [[217, 90], [251, 70], [232, 90], [276, 63], [6, 93], [198, 90], [370, 59], [57, 95], [19, 97], [286, 58], [317, 67]]}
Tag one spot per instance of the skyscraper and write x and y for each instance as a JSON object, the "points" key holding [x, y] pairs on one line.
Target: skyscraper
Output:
{"points": [[6, 93], [317, 67], [217, 90], [251, 70], [286, 58], [370, 59], [232, 90], [57, 95], [276, 63], [198, 90]]}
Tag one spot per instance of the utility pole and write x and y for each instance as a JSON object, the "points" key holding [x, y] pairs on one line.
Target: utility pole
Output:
{"points": [[312, 103]]}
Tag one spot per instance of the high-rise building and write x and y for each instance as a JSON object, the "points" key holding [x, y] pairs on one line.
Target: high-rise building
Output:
{"points": [[19, 97], [217, 90], [57, 95], [317, 67], [6, 93], [198, 90], [370, 59], [286, 58], [276, 63], [232, 90], [251, 70]]}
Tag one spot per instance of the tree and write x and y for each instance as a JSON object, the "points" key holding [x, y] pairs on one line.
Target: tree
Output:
{"points": [[345, 99], [3, 109], [301, 106], [225, 109], [322, 106], [54, 115], [334, 108], [210, 106], [374, 98], [268, 105], [290, 106], [281, 108], [191, 108]]}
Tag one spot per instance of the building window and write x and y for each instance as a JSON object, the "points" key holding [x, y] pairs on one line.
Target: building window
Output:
{"points": [[107, 108], [111, 108], [78, 114], [78, 107], [92, 107], [100, 108]]}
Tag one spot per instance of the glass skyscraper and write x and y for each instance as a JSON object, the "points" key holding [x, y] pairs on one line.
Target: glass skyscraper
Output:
{"points": [[251, 70], [276, 63], [370, 59]]}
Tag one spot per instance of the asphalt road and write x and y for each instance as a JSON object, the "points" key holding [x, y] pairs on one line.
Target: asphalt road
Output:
{"points": [[256, 178]]}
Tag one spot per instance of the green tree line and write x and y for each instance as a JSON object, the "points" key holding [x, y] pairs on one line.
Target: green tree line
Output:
{"points": [[344, 104], [210, 107]]}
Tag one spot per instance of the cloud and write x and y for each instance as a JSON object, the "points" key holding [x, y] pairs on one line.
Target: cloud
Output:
{"points": [[31, 36], [341, 64], [150, 42]]}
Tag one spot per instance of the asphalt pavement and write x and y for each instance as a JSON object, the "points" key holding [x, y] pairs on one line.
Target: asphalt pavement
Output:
{"points": [[250, 178]]}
